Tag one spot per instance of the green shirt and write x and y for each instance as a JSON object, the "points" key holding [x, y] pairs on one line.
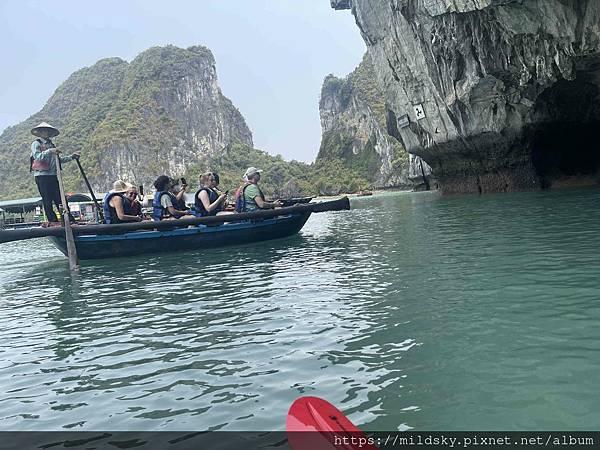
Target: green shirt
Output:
{"points": [[250, 193]]}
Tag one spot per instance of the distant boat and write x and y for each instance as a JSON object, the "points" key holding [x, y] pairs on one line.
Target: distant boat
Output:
{"points": [[129, 239], [364, 193]]}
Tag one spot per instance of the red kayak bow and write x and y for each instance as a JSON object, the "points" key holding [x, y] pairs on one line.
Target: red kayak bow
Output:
{"points": [[315, 424]]}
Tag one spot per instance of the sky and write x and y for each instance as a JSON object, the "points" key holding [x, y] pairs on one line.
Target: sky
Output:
{"points": [[272, 55]]}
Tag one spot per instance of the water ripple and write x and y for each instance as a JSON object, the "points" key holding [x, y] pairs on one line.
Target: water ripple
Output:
{"points": [[410, 311]]}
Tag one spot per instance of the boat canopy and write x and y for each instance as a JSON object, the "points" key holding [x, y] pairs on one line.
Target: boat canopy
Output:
{"points": [[25, 205], [22, 205], [78, 198]]}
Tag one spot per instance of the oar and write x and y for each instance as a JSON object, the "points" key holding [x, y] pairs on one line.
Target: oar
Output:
{"points": [[89, 186], [313, 423], [71, 249]]}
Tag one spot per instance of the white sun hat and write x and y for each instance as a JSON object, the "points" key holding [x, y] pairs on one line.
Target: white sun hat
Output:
{"points": [[251, 171]]}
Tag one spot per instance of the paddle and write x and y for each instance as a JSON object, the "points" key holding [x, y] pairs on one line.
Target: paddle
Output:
{"points": [[89, 186], [315, 424], [71, 249]]}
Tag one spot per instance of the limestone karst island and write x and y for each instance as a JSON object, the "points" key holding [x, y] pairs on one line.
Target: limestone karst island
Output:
{"points": [[354, 224]]}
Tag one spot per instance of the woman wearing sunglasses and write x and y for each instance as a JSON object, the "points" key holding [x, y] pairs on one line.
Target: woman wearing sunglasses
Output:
{"points": [[116, 204], [207, 201], [134, 208]]}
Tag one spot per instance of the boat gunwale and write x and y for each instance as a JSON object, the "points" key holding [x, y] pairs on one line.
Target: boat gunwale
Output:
{"points": [[192, 230]]}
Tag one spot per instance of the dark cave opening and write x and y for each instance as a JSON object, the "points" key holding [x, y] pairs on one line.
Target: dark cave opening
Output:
{"points": [[566, 149], [565, 139]]}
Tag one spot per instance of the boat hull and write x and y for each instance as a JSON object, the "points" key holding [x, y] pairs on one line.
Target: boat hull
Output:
{"points": [[192, 238]]}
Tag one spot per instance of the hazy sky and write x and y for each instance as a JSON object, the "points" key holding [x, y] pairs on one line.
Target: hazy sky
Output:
{"points": [[272, 55]]}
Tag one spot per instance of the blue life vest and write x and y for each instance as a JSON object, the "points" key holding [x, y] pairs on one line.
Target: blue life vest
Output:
{"points": [[240, 198], [127, 206], [158, 212], [199, 209], [110, 213], [179, 204]]}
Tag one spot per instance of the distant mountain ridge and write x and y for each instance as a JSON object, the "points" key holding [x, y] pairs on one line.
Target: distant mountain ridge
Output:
{"points": [[161, 113]]}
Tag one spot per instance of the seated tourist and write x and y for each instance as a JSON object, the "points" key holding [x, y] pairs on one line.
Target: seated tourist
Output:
{"points": [[134, 207], [178, 190], [249, 196], [164, 200], [116, 205], [207, 201]]}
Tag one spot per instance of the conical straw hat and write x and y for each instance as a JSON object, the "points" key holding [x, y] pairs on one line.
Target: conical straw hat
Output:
{"points": [[53, 131]]}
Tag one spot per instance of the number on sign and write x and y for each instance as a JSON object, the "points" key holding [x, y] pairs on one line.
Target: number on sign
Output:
{"points": [[419, 111]]}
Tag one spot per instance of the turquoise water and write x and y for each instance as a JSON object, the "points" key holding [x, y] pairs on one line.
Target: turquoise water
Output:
{"points": [[410, 311]]}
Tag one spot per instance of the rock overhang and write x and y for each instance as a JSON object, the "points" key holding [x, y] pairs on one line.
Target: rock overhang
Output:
{"points": [[462, 78]]}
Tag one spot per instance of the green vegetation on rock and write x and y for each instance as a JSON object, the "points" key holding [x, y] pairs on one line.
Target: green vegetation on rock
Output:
{"points": [[353, 117], [163, 113], [76, 108], [129, 120], [280, 178]]}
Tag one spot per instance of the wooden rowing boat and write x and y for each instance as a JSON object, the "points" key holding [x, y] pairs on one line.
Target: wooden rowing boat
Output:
{"points": [[128, 239], [196, 237]]}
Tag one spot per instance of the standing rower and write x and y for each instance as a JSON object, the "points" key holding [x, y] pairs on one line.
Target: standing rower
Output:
{"points": [[43, 165]]}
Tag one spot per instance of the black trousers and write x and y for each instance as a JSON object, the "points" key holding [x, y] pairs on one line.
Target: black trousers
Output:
{"points": [[50, 192]]}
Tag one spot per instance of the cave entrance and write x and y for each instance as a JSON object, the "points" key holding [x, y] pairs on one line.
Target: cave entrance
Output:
{"points": [[565, 140]]}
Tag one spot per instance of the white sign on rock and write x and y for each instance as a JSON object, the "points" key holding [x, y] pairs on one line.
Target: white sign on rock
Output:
{"points": [[403, 121], [419, 111]]}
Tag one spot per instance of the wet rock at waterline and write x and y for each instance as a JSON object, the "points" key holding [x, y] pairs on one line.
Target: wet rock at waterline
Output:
{"points": [[495, 95]]}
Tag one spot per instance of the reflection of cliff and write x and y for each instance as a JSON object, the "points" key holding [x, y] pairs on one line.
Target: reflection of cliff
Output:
{"points": [[496, 95], [353, 120]]}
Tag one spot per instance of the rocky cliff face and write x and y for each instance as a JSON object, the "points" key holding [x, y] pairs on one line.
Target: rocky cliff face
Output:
{"points": [[160, 113], [495, 95], [353, 121]]}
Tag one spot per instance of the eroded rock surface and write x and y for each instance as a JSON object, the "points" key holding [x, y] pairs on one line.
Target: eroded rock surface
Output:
{"points": [[353, 121], [495, 95], [161, 113]]}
